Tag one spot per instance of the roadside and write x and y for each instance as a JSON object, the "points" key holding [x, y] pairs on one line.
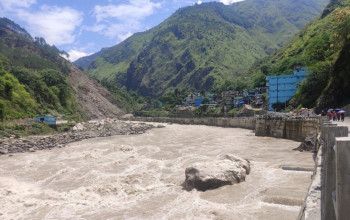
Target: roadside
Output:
{"points": [[346, 122]]}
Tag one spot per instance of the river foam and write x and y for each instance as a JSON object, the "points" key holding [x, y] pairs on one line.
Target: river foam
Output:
{"points": [[141, 176]]}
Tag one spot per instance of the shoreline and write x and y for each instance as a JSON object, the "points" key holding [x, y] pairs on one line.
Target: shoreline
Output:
{"points": [[85, 130]]}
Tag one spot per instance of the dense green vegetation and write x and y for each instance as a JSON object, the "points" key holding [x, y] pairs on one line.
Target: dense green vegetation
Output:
{"points": [[19, 130], [323, 47], [207, 46], [173, 98], [126, 101], [15, 101], [33, 76]]}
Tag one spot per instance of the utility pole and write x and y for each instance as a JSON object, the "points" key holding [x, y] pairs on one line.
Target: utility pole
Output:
{"points": [[285, 99], [277, 91]]}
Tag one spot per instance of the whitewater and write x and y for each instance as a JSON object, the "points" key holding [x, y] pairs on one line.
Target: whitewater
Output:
{"points": [[141, 177]]}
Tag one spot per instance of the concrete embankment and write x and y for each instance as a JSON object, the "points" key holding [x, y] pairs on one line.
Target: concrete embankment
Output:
{"points": [[247, 123], [292, 129], [329, 193]]}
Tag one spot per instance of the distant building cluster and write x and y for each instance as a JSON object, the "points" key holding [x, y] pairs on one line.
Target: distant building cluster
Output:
{"points": [[283, 87], [236, 99], [280, 90], [227, 99]]}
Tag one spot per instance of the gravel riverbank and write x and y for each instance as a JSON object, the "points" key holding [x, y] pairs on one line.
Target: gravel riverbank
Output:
{"points": [[85, 130]]}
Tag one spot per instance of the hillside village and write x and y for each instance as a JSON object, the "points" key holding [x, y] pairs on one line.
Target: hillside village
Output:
{"points": [[274, 96]]}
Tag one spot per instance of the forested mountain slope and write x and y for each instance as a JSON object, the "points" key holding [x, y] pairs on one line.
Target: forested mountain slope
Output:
{"points": [[35, 79], [202, 46], [324, 48]]}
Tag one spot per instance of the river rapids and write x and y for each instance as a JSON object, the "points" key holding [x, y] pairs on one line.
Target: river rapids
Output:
{"points": [[141, 177]]}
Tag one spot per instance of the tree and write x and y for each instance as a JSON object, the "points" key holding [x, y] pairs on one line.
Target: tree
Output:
{"points": [[2, 110], [52, 77], [205, 101], [318, 48], [39, 40], [265, 69], [8, 89], [259, 80], [342, 24]]}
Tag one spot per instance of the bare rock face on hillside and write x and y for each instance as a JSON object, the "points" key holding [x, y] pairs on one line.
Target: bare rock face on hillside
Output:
{"points": [[94, 100], [227, 169]]}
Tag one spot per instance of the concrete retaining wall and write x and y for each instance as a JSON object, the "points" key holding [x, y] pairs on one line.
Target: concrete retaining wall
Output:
{"points": [[329, 194], [292, 129], [247, 123]]}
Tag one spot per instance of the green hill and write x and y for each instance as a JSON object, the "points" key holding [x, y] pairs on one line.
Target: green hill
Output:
{"points": [[202, 46], [33, 75], [35, 79], [323, 47]]}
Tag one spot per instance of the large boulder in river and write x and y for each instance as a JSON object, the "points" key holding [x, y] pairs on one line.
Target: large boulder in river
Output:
{"points": [[227, 169]]}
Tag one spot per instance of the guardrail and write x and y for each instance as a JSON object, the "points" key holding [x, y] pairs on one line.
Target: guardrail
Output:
{"points": [[335, 196]]}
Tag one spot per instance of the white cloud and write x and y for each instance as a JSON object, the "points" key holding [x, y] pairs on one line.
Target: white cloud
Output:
{"points": [[55, 24], [122, 29], [229, 2], [122, 20], [75, 54], [125, 36], [95, 28], [9, 5], [136, 9]]}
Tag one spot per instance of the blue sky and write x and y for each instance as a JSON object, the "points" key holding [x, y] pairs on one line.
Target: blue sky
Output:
{"points": [[83, 27]]}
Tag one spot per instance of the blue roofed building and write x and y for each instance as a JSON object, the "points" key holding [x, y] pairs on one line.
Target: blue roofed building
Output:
{"points": [[198, 102], [46, 119], [282, 88]]}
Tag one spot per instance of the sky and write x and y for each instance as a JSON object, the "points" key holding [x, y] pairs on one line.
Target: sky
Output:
{"points": [[84, 27]]}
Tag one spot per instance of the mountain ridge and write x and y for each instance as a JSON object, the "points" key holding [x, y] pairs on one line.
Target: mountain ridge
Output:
{"points": [[199, 47]]}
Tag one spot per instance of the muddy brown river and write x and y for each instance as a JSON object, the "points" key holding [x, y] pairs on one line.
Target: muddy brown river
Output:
{"points": [[140, 177]]}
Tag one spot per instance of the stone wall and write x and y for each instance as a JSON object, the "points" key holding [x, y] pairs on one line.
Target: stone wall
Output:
{"points": [[292, 129], [247, 123]]}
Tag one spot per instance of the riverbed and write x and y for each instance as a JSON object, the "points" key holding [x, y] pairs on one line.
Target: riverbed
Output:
{"points": [[141, 176]]}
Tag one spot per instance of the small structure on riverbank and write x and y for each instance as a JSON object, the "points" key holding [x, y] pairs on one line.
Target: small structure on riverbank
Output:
{"points": [[46, 119]]}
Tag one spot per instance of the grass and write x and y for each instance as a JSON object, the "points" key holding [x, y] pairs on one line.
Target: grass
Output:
{"points": [[21, 130]]}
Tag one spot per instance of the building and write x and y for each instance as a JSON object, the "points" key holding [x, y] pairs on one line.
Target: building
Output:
{"points": [[238, 101], [190, 99], [46, 119], [198, 102], [228, 99], [282, 88]]}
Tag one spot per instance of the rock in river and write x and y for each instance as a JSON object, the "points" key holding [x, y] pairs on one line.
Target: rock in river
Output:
{"points": [[309, 144], [227, 169]]}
